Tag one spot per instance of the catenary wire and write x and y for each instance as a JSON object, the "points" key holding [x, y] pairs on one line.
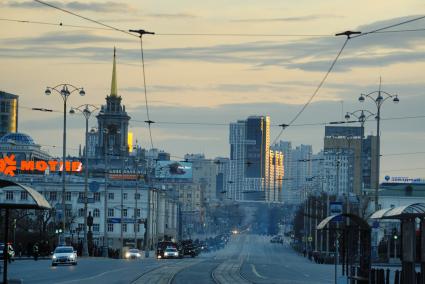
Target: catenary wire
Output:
{"points": [[389, 27], [61, 24], [83, 17], [315, 91]]}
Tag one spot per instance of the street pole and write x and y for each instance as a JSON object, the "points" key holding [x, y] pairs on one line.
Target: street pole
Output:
{"points": [[379, 100], [105, 230], [64, 93], [136, 224], [86, 110], [122, 205], [86, 177]]}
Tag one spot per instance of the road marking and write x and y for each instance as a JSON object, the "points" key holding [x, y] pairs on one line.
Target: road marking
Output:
{"points": [[306, 275], [92, 277], [256, 272]]}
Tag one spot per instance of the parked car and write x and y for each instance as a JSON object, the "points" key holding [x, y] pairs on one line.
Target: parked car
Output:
{"points": [[133, 254], [64, 255], [171, 252], [9, 249]]}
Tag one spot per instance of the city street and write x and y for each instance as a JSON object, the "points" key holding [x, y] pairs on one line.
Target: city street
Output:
{"points": [[246, 259]]}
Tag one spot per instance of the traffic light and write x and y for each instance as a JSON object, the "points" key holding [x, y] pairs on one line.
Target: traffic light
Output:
{"points": [[395, 234]]}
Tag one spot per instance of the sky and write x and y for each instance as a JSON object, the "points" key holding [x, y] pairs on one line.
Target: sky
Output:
{"points": [[220, 79]]}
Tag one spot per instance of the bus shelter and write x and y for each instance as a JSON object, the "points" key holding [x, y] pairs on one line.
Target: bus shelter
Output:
{"points": [[34, 201], [354, 235], [408, 215]]}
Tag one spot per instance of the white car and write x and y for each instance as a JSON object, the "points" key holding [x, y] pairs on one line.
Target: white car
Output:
{"points": [[64, 255], [171, 252], [133, 254]]}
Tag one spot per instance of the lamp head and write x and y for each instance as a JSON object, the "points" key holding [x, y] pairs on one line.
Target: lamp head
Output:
{"points": [[72, 111], [47, 92], [396, 100], [361, 98], [82, 92], [347, 116]]}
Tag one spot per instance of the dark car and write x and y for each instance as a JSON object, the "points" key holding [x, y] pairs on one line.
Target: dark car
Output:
{"points": [[189, 248]]}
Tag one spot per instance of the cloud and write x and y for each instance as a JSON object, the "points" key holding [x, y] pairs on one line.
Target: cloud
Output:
{"points": [[312, 54], [107, 7], [63, 37], [173, 15], [288, 19]]}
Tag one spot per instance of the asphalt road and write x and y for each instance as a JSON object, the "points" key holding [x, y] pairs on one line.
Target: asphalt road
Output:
{"points": [[246, 259]]}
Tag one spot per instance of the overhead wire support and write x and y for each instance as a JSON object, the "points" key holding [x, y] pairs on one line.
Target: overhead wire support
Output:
{"points": [[148, 121]]}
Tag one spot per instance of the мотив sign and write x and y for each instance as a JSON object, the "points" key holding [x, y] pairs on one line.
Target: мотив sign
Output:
{"points": [[8, 165]]}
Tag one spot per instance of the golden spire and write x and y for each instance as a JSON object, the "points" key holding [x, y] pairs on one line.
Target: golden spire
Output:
{"points": [[114, 91]]}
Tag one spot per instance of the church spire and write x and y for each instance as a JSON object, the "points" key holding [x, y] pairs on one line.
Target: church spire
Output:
{"points": [[114, 91]]}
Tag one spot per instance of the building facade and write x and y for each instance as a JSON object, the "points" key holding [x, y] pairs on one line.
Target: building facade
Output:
{"points": [[8, 113], [253, 167]]}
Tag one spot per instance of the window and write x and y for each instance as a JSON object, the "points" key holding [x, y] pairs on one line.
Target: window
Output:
{"points": [[68, 212], [81, 196], [80, 227], [24, 195], [53, 195], [138, 212], [96, 196], [124, 196], [110, 195], [137, 228], [124, 212], [96, 213], [137, 196], [81, 212], [110, 227], [9, 195], [96, 227], [110, 212], [124, 227], [68, 196]]}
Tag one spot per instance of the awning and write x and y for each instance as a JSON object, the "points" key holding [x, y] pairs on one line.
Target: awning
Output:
{"points": [[36, 200], [413, 210]]}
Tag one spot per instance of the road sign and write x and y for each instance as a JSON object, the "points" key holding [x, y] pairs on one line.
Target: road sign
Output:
{"points": [[335, 208], [94, 186], [125, 220]]}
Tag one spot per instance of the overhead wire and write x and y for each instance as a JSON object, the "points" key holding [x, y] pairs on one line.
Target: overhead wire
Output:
{"points": [[62, 24], [83, 17], [389, 27], [315, 91]]}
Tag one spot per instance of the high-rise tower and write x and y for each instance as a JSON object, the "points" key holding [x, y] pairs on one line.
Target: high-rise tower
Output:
{"points": [[113, 122]]}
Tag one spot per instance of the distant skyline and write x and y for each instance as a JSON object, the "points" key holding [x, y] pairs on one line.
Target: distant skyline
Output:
{"points": [[220, 79]]}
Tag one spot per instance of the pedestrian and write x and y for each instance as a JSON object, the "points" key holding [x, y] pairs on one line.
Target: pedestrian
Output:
{"points": [[35, 251]]}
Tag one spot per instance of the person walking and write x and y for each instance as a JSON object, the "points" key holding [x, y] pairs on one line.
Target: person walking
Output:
{"points": [[35, 251]]}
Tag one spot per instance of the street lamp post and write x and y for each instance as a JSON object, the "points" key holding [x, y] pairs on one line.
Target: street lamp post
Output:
{"points": [[379, 99], [105, 213], [86, 110], [362, 116], [65, 92]]}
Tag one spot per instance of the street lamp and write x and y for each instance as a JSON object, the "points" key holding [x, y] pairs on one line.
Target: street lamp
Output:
{"points": [[362, 116], [105, 214], [65, 92], [86, 110], [378, 97]]}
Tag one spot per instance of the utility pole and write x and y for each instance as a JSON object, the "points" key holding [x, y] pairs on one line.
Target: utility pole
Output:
{"points": [[105, 213]]}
